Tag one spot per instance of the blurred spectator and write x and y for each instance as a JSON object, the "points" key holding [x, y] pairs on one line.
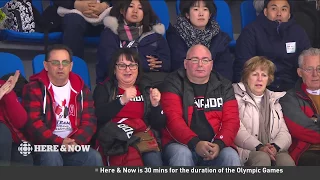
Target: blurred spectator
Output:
{"points": [[275, 35], [196, 25], [133, 24]]}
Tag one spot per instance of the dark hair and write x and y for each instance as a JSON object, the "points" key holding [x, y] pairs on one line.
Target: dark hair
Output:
{"points": [[130, 55], [185, 6], [58, 47], [149, 16]]}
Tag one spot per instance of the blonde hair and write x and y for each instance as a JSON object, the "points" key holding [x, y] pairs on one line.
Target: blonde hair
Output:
{"points": [[258, 62]]}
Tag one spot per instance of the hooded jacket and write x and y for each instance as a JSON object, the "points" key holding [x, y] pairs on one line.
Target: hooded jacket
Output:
{"points": [[150, 43], [268, 38], [247, 137], [219, 48], [298, 109], [177, 100], [13, 115], [38, 101]]}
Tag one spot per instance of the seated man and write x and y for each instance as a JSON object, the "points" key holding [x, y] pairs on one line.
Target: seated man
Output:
{"points": [[202, 114], [75, 27], [275, 35], [60, 111], [301, 108]]}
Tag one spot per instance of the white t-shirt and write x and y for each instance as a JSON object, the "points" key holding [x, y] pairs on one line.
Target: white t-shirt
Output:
{"points": [[62, 98]]}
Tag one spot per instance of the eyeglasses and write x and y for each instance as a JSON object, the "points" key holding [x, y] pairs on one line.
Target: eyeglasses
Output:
{"points": [[311, 69], [64, 63], [196, 60], [124, 66]]}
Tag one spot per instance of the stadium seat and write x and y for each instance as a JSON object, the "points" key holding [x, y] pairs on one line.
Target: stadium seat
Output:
{"points": [[35, 37], [161, 9], [223, 18], [248, 13], [79, 67], [10, 63]]}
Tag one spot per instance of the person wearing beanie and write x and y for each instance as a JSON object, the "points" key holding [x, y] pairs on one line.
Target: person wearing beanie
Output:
{"points": [[275, 35]]}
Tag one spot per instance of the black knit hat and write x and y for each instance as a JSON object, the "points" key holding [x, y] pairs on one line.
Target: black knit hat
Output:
{"points": [[267, 1]]}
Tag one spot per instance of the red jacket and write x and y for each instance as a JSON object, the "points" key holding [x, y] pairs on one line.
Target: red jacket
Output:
{"points": [[177, 101], [12, 114], [298, 109], [37, 99]]}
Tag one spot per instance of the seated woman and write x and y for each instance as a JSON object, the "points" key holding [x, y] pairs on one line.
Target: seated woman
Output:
{"points": [[127, 97], [196, 25], [12, 119], [263, 138], [133, 24]]}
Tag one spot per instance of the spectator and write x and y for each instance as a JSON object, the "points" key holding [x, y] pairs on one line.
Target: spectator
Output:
{"points": [[75, 27], [263, 138], [202, 114], [133, 24], [195, 25], [127, 94], [301, 108], [273, 35], [60, 111], [12, 120]]}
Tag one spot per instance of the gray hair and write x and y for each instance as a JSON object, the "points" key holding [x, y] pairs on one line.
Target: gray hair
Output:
{"points": [[308, 52]]}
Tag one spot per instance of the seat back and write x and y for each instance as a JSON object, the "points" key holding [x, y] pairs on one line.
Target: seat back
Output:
{"points": [[247, 12], [10, 63], [79, 67], [161, 9]]}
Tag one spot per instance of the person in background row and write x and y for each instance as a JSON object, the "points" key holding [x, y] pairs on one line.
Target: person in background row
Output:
{"points": [[13, 117], [301, 108], [274, 34], [133, 24], [196, 25], [263, 138], [60, 111], [128, 98], [202, 114]]}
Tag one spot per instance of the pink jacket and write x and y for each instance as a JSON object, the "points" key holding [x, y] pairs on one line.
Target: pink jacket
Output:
{"points": [[247, 137]]}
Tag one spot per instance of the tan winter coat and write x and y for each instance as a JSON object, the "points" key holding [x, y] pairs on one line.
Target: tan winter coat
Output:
{"points": [[247, 137]]}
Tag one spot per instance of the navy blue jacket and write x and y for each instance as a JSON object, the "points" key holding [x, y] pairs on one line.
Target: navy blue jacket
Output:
{"points": [[150, 43], [219, 49], [267, 38]]}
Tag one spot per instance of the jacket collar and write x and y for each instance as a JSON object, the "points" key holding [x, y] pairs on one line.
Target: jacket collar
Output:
{"points": [[273, 27]]}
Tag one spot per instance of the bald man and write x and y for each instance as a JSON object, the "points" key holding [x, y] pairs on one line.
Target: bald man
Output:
{"points": [[202, 114]]}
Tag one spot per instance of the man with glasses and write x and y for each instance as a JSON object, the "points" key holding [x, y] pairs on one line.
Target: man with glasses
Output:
{"points": [[60, 111], [202, 114], [301, 108]]}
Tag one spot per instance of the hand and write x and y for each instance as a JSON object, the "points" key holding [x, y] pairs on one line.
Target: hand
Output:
{"points": [[129, 93], [214, 153], [5, 88], [13, 79], [272, 148], [97, 8], [154, 63], [81, 5], [266, 149], [89, 14], [205, 149], [68, 141], [155, 97]]}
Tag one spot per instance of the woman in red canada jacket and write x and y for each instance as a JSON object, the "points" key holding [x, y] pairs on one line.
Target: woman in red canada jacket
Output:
{"points": [[12, 119]]}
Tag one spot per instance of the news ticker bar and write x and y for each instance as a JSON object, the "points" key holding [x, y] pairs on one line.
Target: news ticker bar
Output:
{"points": [[189, 170]]}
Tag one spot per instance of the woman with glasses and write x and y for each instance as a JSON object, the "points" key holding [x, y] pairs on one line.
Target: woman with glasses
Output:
{"points": [[12, 119], [196, 25], [133, 24], [263, 138], [127, 98]]}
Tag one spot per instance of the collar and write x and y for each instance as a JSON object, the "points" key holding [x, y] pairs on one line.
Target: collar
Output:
{"points": [[313, 92]]}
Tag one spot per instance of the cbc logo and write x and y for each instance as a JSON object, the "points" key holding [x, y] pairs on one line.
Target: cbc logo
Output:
{"points": [[25, 148]]}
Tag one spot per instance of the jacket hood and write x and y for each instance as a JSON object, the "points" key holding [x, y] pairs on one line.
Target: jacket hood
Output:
{"points": [[240, 90], [112, 23], [75, 80], [273, 27]]}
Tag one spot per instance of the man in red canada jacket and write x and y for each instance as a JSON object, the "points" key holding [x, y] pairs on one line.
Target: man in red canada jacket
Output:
{"points": [[60, 111], [13, 117], [301, 109], [202, 114]]}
